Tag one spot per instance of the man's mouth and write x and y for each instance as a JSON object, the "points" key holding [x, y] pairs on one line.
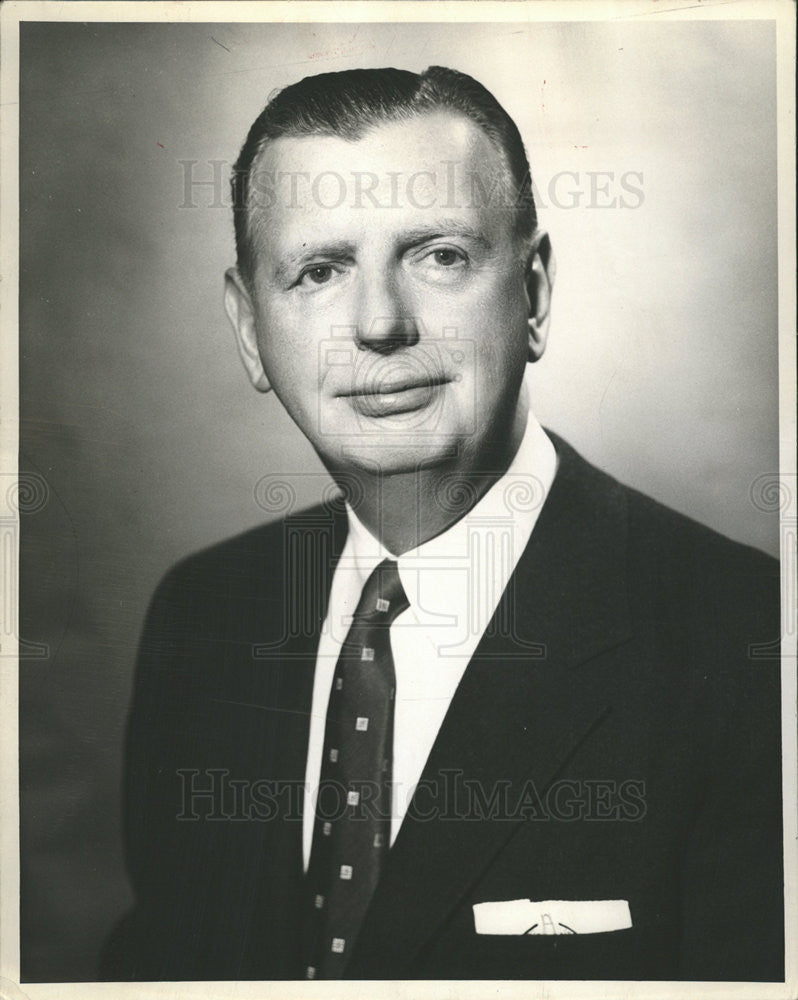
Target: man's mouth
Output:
{"points": [[386, 397]]}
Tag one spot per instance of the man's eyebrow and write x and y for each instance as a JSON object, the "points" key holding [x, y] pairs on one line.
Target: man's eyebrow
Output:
{"points": [[437, 228]]}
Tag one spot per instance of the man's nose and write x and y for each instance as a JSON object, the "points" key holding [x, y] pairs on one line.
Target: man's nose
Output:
{"points": [[385, 320]]}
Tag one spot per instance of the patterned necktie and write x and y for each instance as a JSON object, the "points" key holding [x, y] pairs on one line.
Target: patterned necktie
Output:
{"points": [[351, 835]]}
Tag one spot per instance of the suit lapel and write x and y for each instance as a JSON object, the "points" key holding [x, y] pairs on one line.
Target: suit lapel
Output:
{"points": [[310, 548], [301, 568], [519, 713]]}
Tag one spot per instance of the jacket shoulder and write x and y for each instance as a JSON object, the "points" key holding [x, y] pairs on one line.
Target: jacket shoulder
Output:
{"points": [[657, 531], [683, 578], [258, 555], [244, 584], [666, 538]]}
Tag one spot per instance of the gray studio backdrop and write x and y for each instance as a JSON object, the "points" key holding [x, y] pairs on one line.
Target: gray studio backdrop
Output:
{"points": [[653, 150]]}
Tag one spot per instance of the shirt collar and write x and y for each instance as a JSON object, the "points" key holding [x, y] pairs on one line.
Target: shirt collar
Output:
{"points": [[515, 500]]}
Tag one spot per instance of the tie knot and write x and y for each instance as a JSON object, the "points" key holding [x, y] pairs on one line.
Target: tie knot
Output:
{"points": [[383, 598]]}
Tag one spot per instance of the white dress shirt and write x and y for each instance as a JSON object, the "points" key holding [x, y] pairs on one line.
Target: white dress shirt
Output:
{"points": [[453, 583]]}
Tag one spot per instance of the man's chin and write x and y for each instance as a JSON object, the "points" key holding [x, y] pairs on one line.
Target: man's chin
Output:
{"points": [[396, 455]]}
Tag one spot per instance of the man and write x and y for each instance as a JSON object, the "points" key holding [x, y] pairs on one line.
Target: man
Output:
{"points": [[494, 716]]}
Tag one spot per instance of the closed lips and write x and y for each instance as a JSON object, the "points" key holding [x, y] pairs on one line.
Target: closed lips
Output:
{"points": [[384, 399], [385, 387]]}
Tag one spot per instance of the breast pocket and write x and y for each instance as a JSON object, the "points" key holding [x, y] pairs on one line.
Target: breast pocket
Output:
{"points": [[551, 917]]}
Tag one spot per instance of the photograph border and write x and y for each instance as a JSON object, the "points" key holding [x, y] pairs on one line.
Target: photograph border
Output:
{"points": [[782, 12]]}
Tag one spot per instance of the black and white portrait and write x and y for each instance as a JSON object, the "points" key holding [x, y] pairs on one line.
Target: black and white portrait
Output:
{"points": [[402, 524]]}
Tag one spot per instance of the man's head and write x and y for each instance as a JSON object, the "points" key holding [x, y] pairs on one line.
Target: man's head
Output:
{"points": [[391, 282]]}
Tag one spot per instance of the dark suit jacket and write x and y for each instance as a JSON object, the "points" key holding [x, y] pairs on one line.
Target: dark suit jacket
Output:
{"points": [[615, 736]]}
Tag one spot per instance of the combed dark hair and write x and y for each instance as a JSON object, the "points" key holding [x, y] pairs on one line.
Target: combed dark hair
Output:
{"points": [[349, 103]]}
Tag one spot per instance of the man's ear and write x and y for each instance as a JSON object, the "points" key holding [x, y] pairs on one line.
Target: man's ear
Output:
{"points": [[240, 312], [540, 271]]}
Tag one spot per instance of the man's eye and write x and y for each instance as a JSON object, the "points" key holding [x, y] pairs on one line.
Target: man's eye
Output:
{"points": [[446, 257], [318, 275]]}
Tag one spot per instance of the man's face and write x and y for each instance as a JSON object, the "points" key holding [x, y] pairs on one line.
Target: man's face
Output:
{"points": [[390, 305]]}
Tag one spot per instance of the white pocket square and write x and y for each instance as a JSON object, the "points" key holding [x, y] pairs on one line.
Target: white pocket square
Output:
{"points": [[552, 916]]}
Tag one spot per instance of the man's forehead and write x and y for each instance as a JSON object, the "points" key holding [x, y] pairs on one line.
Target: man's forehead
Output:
{"points": [[397, 175], [423, 140]]}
